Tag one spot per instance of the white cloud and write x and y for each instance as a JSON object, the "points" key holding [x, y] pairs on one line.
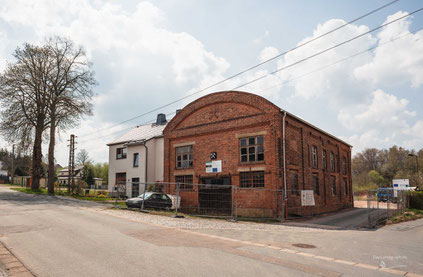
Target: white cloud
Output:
{"points": [[139, 63], [267, 53], [400, 61], [385, 111], [334, 82], [262, 37]]}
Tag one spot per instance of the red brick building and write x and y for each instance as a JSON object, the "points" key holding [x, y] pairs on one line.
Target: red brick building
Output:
{"points": [[245, 137]]}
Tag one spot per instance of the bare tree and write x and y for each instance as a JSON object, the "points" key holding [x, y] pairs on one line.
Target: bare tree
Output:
{"points": [[24, 98], [70, 91], [83, 158]]}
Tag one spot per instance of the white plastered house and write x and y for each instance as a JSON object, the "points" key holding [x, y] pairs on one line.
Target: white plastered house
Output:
{"points": [[136, 157]]}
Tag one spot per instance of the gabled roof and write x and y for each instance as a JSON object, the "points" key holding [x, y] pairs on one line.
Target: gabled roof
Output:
{"points": [[142, 132], [77, 168]]}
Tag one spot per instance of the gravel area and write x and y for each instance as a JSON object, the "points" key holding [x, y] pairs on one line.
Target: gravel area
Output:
{"points": [[201, 223]]}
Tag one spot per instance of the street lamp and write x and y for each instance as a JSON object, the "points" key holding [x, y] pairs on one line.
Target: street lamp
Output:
{"points": [[417, 167]]}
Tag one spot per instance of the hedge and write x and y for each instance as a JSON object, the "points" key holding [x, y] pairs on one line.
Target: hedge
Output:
{"points": [[416, 200]]}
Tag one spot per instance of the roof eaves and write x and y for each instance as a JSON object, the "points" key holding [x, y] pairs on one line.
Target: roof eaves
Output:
{"points": [[316, 128]]}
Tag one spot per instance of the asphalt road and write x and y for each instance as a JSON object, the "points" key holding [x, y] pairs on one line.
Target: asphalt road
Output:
{"points": [[65, 237]]}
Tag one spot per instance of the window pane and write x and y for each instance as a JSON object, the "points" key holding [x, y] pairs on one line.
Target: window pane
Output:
{"points": [[243, 151], [251, 150], [260, 140], [252, 157], [252, 141], [260, 157], [244, 158], [259, 149], [243, 142]]}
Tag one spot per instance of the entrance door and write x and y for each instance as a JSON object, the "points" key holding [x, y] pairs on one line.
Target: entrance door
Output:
{"points": [[215, 196], [135, 187]]}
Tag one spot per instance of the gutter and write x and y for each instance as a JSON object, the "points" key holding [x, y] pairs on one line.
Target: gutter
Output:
{"points": [[285, 198]]}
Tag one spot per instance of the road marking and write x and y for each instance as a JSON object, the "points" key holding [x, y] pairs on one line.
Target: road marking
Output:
{"points": [[287, 250], [305, 254], [393, 271], [409, 274], [324, 258], [367, 266], [344, 262]]}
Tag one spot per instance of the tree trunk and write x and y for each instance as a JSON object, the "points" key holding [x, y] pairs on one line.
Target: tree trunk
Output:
{"points": [[51, 171], [37, 155]]}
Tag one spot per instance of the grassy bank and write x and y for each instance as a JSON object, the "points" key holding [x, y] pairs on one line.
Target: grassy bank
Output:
{"points": [[410, 214], [104, 200]]}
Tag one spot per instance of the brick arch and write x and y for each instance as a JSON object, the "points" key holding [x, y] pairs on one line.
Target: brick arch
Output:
{"points": [[211, 108]]}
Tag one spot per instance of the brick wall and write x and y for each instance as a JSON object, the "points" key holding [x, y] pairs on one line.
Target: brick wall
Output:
{"points": [[216, 122]]}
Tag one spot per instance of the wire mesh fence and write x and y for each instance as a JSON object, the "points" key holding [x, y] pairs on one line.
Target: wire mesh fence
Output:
{"points": [[209, 200], [384, 203]]}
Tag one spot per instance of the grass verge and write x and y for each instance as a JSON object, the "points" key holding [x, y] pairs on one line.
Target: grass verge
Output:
{"points": [[104, 200], [410, 214]]}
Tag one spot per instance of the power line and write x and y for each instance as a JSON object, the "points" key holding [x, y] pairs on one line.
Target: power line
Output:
{"points": [[126, 129], [326, 50], [341, 60], [252, 67]]}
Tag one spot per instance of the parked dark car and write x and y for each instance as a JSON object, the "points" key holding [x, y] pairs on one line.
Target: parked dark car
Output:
{"points": [[152, 200]]}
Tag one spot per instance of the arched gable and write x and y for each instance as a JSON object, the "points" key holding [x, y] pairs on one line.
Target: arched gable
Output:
{"points": [[219, 107]]}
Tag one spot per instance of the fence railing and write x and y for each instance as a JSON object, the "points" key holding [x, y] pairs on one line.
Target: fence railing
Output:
{"points": [[382, 206], [210, 200]]}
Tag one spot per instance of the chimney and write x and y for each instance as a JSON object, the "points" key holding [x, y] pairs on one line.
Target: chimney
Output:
{"points": [[161, 119]]}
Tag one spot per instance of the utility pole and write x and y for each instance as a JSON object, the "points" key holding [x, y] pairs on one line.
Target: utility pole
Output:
{"points": [[71, 166], [13, 162]]}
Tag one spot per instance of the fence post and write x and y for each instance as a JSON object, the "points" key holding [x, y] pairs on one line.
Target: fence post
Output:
{"points": [[143, 197], [232, 202], [178, 201], [368, 209], [236, 204]]}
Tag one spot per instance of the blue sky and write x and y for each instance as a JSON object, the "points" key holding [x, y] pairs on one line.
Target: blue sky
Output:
{"points": [[149, 53]]}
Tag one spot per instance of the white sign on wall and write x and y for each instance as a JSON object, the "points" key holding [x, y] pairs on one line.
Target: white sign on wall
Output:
{"points": [[307, 198], [214, 166]]}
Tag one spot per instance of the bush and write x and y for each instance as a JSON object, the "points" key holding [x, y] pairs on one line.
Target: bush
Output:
{"points": [[416, 200]]}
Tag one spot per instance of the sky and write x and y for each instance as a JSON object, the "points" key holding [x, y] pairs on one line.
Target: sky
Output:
{"points": [[146, 54]]}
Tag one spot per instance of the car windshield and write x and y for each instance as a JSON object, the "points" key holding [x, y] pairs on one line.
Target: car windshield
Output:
{"points": [[147, 195]]}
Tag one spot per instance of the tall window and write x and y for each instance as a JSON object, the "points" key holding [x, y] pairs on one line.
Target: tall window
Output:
{"points": [[316, 184], [136, 159], [314, 156], [345, 186], [293, 177], [251, 179], [332, 162], [344, 165], [333, 181], [185, 182], [121, 153], [251, 149], [184, 157], [324, 162]]}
